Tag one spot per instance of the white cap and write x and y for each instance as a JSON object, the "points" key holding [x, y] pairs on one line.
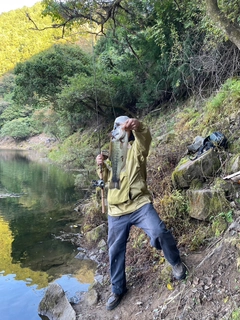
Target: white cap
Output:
{"points": [[121, 119]]}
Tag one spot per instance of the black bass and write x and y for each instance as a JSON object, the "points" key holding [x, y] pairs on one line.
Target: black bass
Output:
{"points": [[118, 155]]}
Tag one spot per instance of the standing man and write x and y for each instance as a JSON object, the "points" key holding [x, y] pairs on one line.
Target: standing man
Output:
{"points": [[132, 205]]}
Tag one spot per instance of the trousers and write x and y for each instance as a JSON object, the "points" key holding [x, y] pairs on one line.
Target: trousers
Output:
{"points": [[149, 221]]}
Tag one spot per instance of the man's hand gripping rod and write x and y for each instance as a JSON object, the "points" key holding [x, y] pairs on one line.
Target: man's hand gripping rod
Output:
{"points": [[100, 183]]}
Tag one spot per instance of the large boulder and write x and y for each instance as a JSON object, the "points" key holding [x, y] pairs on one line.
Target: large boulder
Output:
{"points": [[55, 305], [234, 164], [200, 169], [97, 233], [206, 203]]}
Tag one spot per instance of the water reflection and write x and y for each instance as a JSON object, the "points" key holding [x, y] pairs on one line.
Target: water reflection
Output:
{"points": [[7, 266], [37, 201]]}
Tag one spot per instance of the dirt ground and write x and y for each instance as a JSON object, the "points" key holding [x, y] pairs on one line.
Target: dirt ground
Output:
{"points": [[210, 291], [41, 140]]}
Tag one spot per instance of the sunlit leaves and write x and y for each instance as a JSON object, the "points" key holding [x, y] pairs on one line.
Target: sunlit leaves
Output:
{"points": [[18, 39], [41, 78]]}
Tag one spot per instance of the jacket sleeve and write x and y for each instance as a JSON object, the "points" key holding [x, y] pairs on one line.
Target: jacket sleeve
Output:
{"points": [[143, 139]]}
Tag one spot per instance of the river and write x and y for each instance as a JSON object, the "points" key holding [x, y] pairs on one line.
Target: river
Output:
{"points": [[36, 207]]}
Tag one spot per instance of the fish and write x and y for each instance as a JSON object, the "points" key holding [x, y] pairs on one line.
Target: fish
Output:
{"points": [[118, 155]]}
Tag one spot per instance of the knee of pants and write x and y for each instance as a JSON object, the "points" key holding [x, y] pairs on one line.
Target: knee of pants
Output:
{"points": [[156, 243], [117, 249], [161, 239], [158, 232]]}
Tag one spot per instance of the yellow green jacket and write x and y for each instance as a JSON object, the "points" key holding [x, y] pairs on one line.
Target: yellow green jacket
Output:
{"points": [[133, 192]]}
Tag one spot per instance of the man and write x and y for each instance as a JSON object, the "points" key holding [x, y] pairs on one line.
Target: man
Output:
{"points": [[132, 205]]}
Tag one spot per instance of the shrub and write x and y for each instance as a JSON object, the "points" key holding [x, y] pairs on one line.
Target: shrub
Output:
{"points": [[20, 128]]}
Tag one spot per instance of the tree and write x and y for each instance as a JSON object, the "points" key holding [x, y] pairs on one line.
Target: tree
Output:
{"points": [[167, 45], [149, 52], [20, 128], [230, 28], [41, 78], [18, 41], [97, 12]]}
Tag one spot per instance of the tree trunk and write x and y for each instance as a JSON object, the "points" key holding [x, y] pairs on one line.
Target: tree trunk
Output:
{"points": [[231, 30]]}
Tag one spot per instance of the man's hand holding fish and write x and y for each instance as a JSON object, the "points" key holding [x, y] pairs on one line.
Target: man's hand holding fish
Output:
{"points": [[130, 124]]}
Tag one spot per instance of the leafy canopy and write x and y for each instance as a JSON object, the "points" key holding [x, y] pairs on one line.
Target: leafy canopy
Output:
{"points": [[41, 78]]}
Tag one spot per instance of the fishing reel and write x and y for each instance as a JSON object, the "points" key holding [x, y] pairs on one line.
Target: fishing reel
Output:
{"points": [[98, 183]]}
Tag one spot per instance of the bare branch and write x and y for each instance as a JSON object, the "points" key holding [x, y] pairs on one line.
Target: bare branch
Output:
{"points": [[98, 12]]}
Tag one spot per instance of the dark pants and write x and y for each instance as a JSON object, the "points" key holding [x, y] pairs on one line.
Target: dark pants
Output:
{"points": [[147, 219]]}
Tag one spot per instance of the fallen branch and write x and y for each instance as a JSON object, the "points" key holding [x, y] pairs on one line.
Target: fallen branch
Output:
{"points": [[232, 175]]}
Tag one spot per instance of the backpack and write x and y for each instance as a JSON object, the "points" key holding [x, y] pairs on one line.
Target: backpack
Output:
{"points": [[214, 140], [218, 139]]}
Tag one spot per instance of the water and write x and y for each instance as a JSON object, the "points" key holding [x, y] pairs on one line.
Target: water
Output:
{"points": [[36, 207]]}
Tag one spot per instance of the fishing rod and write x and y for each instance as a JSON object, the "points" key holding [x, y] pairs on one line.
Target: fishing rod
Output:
{"points": [[97, 183]]}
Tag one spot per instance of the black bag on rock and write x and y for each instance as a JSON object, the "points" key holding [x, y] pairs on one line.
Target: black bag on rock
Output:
{"points": [[214, 140]]}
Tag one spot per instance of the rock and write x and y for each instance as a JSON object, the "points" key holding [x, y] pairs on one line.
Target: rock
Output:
{"points": [[102, 244], [97, 233], [99, 278], [55, 305], [205, 203], [81, 256], [198, 142], [234, 163], [91, 297], [234, 226], [203, 167]]}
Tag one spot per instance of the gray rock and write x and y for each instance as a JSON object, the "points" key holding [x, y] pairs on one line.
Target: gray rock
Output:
{"points": [[203, 167], [198, 142], [97, 233], [55, 305], [102, 244], [81, 256], [99, 278], [205, 203], [91, 297]]}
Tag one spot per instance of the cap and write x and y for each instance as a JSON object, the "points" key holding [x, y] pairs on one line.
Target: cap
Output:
{"points": [[120, 120]]}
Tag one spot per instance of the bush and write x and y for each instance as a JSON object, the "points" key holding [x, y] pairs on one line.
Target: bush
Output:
{"points": [[20, 128]]}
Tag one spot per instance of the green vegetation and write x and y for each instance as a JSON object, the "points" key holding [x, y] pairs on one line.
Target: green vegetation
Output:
{"points": [[166, 62], [19, 41], [118, 74], [73, 66], [20, 128], [220, 222], [235, 314], [41, 78]]}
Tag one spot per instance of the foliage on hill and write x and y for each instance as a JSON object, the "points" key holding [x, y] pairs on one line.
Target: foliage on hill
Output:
{"points": [[20, 40], [146, 54]]}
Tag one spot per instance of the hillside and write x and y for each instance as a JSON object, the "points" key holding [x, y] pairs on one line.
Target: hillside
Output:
{"points": [[23, 27], [211, 290]]}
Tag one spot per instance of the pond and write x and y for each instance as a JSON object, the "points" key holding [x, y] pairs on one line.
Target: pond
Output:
{"points": [[36, 206]]}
